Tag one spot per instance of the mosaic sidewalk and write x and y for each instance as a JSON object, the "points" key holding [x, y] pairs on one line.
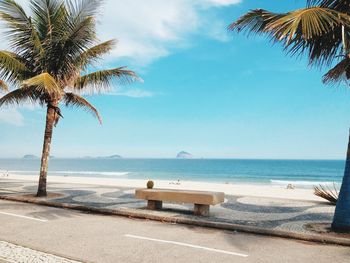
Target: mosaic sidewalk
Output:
{"points": [[13, 253], [278, 214]]}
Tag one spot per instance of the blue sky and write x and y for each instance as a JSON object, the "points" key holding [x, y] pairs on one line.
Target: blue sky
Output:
{"points": [[206, 91]]}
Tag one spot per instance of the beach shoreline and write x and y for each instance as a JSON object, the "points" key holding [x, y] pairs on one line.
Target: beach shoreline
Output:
{"points": [[241, 189]]}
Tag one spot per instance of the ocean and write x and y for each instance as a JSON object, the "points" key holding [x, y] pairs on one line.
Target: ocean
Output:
{"points": [[301, 173]]}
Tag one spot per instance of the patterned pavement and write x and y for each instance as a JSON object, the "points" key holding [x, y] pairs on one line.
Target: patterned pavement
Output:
{"points": [[18, 254], [267, 213]]}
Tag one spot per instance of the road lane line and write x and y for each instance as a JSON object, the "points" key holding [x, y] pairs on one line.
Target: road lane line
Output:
{"points": [[187, 245], [25, 217]]}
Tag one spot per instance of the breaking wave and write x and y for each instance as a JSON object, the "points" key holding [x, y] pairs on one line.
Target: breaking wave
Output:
{"points": [[303, 184], [89, 173]]}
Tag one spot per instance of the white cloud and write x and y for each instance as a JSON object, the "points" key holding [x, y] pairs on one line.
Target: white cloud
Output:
{"points": [[216, 30], [222, 2], [11, 116], [150, 29], [145, 29], [133, 93]]}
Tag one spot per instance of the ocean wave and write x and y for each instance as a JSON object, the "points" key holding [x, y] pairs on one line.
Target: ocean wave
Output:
{"points": [[92, 173], [73, 173], [2, 172], [301, 183]]}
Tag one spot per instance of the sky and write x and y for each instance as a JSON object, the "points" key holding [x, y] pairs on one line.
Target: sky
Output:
{"points": [[205, 90]]}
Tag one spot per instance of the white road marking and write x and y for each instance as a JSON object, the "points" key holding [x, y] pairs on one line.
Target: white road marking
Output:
{"points": [[25, 217], [187, 245]]}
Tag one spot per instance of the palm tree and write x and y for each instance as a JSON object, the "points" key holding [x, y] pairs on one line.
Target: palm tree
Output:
{"points": [[52, 53], [321, 31]]}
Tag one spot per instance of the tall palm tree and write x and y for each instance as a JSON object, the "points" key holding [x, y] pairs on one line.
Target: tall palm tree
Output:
{"points": [[52, 53], [321, 30]]}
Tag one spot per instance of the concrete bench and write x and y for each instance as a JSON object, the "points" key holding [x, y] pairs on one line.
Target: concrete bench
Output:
{"points": [[201, 200]]}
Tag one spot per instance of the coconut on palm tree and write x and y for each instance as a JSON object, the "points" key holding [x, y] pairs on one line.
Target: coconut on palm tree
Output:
{"points": [[49, 60], [321, 31]]}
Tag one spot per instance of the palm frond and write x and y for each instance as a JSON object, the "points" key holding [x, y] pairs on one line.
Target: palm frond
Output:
{"points": [[102, 81], [76, 36], [326, 193], [82, 21], [50, 49], [11, 60], [255, 21], [71, 99], [316, 31], [94, 53], [321, 50], [44, 16], [81, 33], [340, 72], [3, 86], [339, 5], [19, 96], [44, 83], [80, 9], [77, 64], [306, 23], [13, 13], [20, 31], [11, 68]]}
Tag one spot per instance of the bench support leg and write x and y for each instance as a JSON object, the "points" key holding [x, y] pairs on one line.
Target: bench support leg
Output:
{"points": [[154, 205], [201, 210]]}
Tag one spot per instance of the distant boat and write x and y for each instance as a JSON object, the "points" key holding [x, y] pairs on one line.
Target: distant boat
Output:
{"points": [[184, 155]]}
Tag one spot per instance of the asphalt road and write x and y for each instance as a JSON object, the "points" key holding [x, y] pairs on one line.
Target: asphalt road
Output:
{"points": [[96, 238]]}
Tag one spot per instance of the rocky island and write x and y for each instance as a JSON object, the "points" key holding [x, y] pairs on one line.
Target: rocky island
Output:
{"points": [[115, 156], [184, 155], [30, 157]]}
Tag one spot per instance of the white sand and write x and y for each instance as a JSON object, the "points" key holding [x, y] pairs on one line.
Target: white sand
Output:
{"points": [[232, 189]]}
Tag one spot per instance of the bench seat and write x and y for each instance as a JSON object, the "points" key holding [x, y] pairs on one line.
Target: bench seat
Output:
{"points": [[201, 199]]}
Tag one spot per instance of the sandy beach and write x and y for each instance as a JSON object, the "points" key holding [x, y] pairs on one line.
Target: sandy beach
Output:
{"points": [[230, 189]]}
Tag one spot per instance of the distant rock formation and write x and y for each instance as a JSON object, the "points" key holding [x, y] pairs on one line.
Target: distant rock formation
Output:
{"points": [[184, 155], [30, 157], [116, 156]]}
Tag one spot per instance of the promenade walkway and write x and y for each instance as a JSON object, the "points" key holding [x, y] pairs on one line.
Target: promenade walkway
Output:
{"points": [[305, 218]]}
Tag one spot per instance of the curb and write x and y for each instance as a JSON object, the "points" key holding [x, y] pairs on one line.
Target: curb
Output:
{"points": [[201, 222]]}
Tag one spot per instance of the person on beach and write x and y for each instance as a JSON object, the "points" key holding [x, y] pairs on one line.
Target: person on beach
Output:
{"points": [[5, 174], [177, 183]]}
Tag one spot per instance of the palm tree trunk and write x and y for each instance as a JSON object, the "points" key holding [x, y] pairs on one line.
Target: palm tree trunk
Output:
{"points": [[50, 120], [341, 219]]}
